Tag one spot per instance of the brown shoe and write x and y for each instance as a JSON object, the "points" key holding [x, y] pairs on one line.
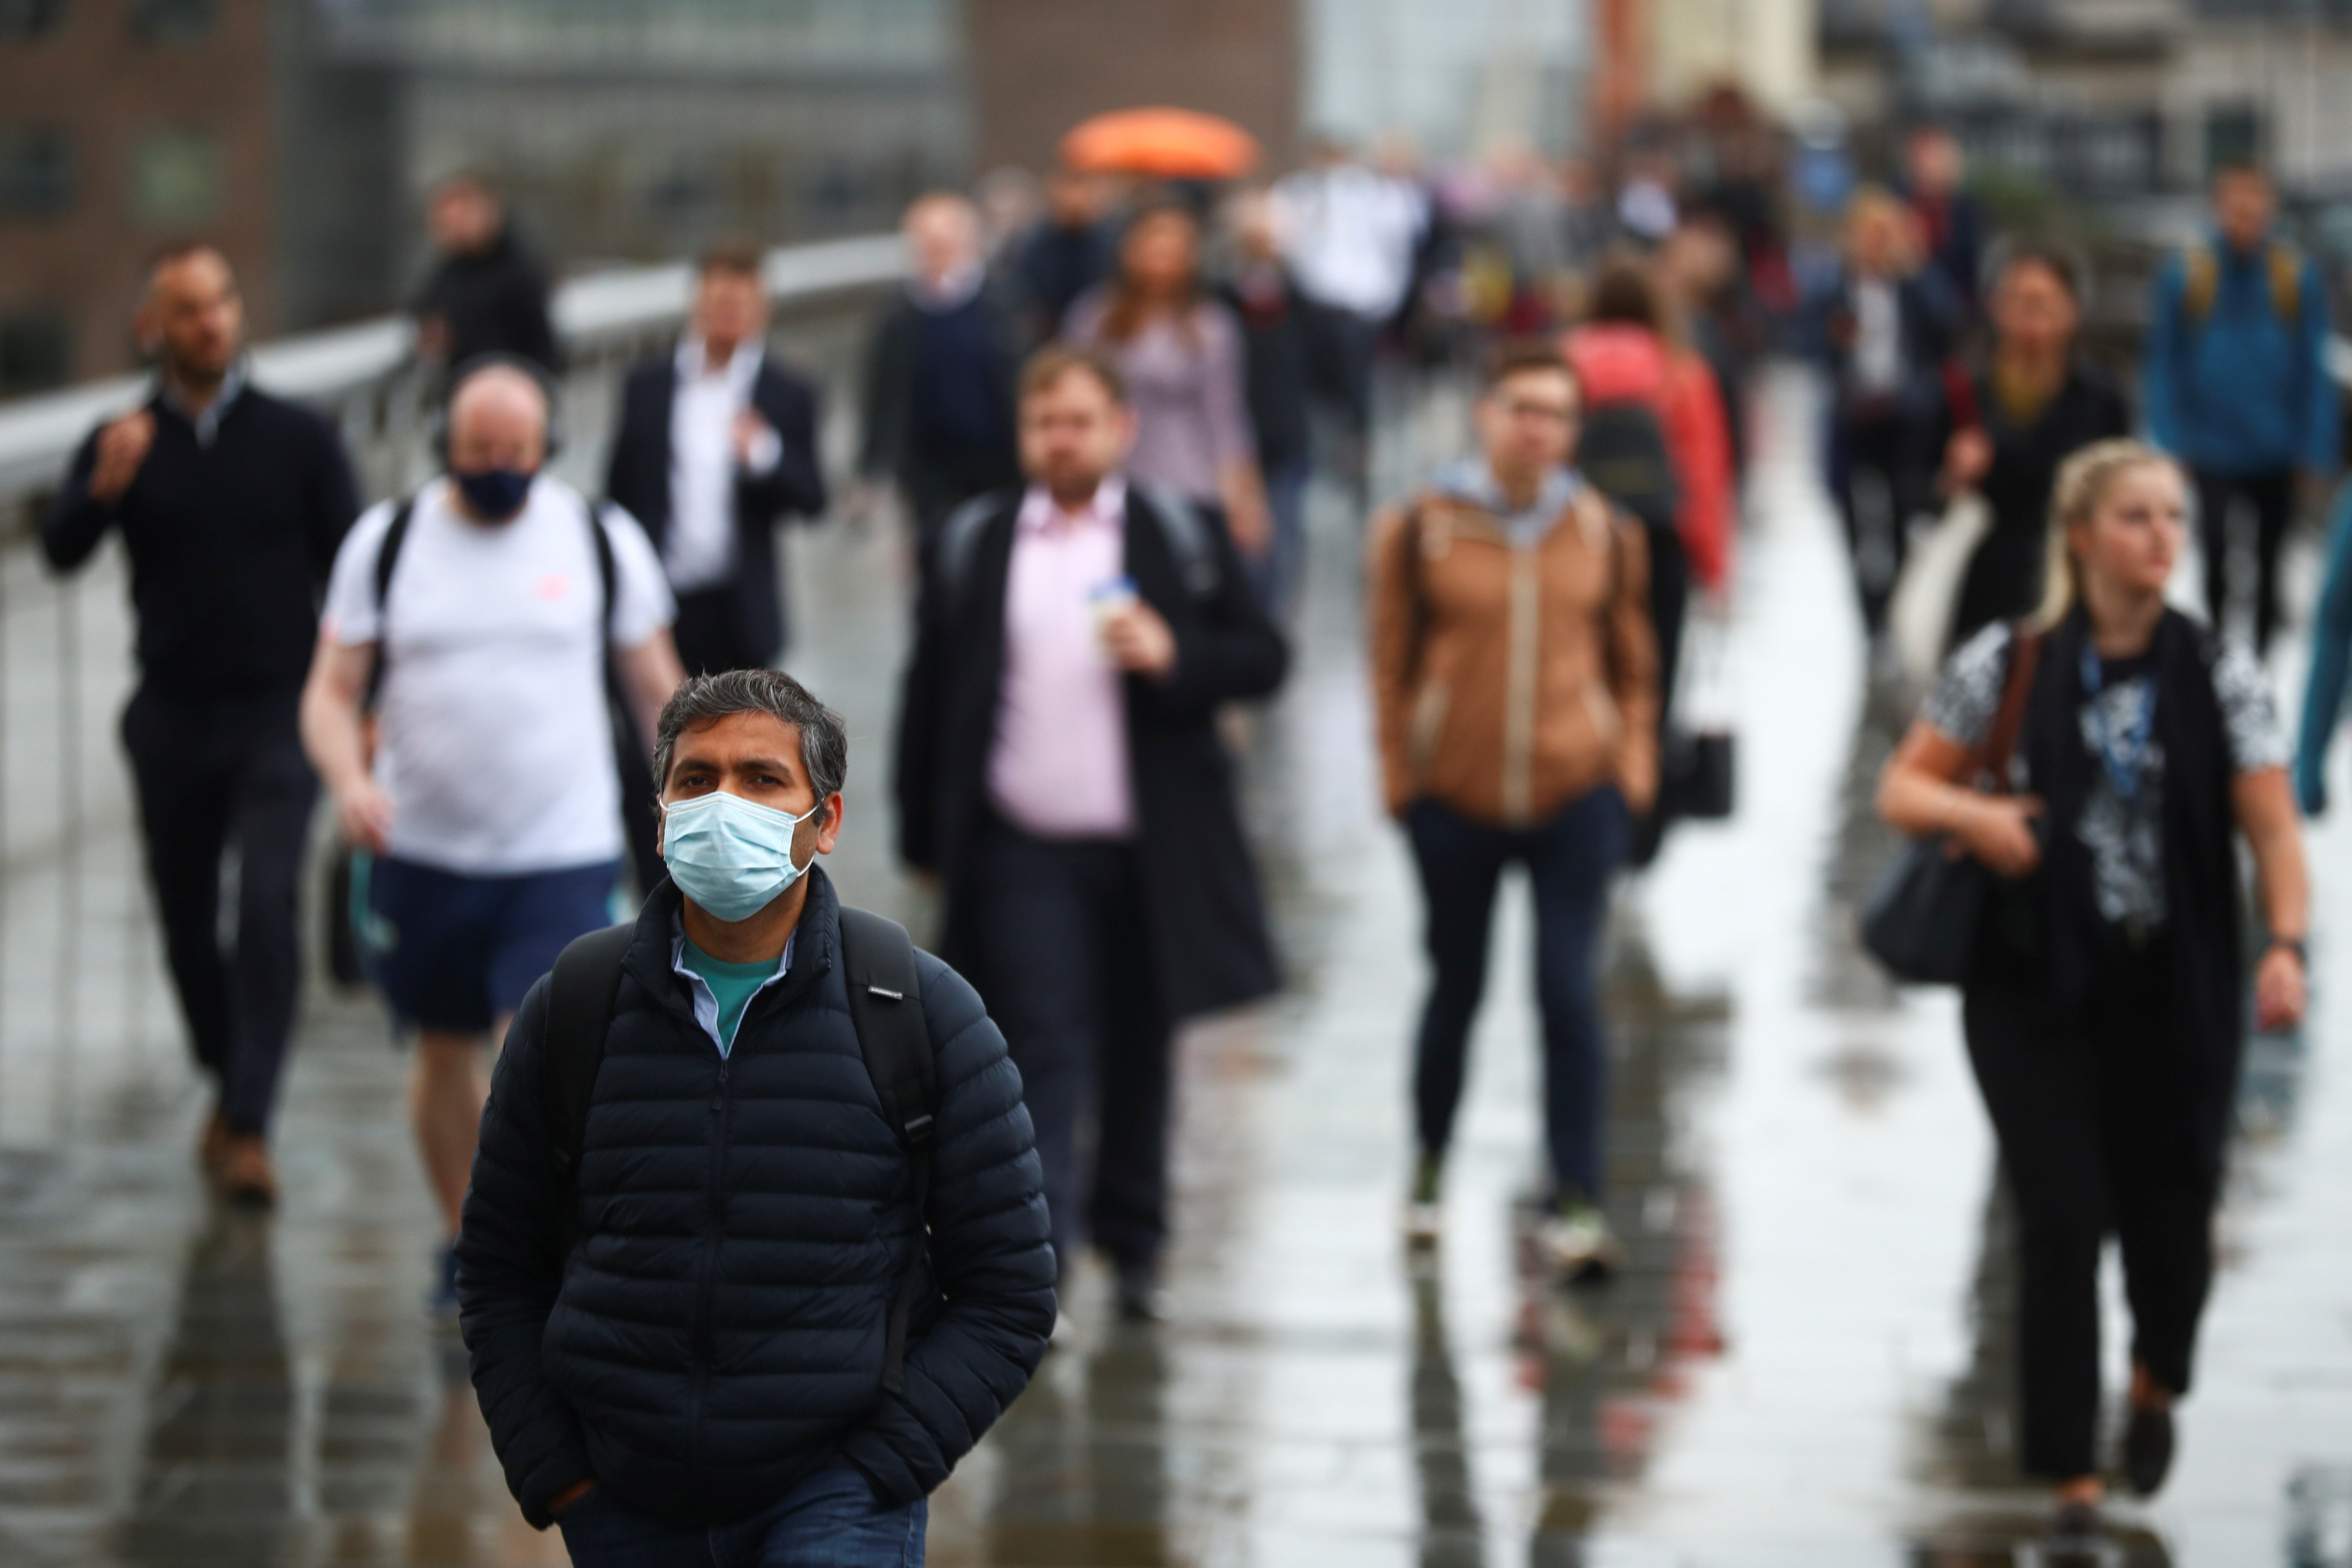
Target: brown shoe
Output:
{"points": [[214, 1145], [245, 1174]]}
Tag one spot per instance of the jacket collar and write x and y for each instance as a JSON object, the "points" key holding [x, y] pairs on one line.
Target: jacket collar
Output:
{"points": [[816, 940]]}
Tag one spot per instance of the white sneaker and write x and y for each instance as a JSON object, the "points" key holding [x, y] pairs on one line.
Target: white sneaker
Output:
{"points": [[1577, 1243]]}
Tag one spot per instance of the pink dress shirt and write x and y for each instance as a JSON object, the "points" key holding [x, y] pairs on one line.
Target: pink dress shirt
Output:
{"points": [[1058, 769]]}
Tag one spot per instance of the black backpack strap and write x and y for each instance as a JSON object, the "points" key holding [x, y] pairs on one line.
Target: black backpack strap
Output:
{"points": [[958, 539], [1185, 527], [885, 1006], [608, 571], [387, 557], [580, 998]]}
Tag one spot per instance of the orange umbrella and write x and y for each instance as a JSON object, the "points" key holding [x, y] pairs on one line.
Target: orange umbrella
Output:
{"points": [[1164, 143]]}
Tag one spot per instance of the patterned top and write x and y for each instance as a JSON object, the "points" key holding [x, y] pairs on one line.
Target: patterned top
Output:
{"points": [[2125, 839]]}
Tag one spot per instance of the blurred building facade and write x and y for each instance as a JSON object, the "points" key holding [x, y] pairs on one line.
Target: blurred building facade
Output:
{"points": [[124, 123], [2107, 97], [1039, 67], [303, 135], [1454, 76]]}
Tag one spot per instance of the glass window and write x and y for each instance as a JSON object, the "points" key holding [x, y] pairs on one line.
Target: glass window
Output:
{"points": [[175, 178], [36, 350], [35, 172], [23, 19], [168, 19]]}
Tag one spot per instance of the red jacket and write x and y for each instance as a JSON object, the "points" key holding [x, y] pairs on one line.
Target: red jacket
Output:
{"points": [[1618, 363]]}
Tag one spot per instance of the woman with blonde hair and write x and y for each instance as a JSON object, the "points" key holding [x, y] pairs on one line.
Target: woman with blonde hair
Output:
{"points": [[2103, 1010]]}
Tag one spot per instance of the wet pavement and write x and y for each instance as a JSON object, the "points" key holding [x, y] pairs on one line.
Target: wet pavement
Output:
{"points": [[1806, 1361]]}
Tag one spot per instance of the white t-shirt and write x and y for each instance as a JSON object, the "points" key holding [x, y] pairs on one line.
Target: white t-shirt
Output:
{"points": [[495, 744]]}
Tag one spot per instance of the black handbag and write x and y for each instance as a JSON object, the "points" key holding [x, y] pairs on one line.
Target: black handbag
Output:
{"points": [[1922, 921], [1698, 774]]}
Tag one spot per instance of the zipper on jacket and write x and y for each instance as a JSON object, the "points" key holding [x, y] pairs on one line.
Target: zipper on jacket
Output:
{"points": [[1524, 628], [721, 1099]]}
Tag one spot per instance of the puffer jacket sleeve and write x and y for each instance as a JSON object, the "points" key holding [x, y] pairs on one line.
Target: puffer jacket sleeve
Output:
{"points": [[988, 1254], [508, 1273]]}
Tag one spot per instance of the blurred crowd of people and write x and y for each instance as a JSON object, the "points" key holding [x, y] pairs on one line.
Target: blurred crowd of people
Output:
{"points": [[1100, 405]]}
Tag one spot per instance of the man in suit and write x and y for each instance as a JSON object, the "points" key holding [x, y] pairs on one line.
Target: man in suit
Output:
{"points": [[1060, 770], [717, 442]]}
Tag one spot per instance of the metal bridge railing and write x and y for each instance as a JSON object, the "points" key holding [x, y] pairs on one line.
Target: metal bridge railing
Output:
{"points": [[85, 1012]]}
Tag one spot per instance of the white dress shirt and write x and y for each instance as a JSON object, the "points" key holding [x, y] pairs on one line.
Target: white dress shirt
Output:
{"points": [[698, 550]]}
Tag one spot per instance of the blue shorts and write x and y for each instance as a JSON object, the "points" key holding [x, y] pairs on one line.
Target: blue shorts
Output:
{"points": [[455, 952]]}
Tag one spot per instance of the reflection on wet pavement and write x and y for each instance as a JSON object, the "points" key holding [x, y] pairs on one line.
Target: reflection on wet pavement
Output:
{"points": [[1805, 1361]]}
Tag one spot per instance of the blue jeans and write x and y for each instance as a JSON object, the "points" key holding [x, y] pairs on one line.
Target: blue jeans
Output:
{"points": [[829, 1520], [1569, 859]]}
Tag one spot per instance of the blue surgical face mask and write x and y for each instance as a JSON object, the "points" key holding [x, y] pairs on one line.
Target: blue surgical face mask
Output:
{"points": [[497, 493], [731, 856]]}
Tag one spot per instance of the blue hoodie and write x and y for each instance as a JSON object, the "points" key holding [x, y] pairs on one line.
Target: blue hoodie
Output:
{"points": [[2241, 392]]}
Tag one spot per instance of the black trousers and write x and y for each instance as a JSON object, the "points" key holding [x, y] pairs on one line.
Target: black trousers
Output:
{"points": [[215, 779], [1874, 472], [1571, 857], [1068, 977], [2271, 499], [2103, 1130]]}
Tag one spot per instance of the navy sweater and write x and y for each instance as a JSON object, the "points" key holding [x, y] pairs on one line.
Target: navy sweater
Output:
{"points": [[230, 543]]}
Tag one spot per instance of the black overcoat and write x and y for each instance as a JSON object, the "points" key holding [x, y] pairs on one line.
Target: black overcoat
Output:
{"points": [[1206, 921]]}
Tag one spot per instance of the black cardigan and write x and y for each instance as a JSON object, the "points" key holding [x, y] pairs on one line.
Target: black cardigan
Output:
{"points": [[230, 543]]}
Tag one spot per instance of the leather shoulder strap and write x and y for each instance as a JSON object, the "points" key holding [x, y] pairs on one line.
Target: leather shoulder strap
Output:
{"points": [[2285, 266], [2008, 720], [2200, 279]]}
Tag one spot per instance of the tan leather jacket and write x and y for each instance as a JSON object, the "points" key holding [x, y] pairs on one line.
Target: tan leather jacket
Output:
{"points": [[1508, 679]]}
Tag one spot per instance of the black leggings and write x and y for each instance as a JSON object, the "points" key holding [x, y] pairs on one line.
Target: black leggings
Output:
{"points": [[2271, 499], [2103, 1130]]}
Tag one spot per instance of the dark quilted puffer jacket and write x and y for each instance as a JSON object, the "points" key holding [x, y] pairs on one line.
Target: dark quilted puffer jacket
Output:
{"points": [[717, 1334]]}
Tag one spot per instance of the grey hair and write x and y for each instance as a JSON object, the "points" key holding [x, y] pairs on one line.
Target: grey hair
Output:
{"points": [[705, 698]]}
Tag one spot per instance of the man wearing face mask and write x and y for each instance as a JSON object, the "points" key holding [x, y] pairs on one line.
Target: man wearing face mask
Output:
{"points": [[481, 614], [728, 1296], [230, 503]]}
